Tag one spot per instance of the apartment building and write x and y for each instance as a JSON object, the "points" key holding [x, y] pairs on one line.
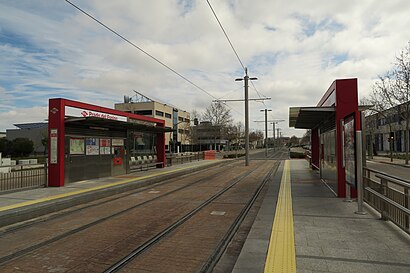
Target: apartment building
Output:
{"points": [[174, 118]]}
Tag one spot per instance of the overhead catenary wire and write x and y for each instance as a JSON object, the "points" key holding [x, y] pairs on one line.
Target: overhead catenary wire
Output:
{"points": [[140, 49], [226, 35], [233, 48]]}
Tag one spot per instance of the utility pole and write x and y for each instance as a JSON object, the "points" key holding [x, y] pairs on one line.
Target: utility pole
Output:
{"points": [[274, 135], [274, 122], [246, 80], [266, 130]]}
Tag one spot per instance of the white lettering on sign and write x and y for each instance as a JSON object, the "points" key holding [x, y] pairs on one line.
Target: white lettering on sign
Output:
{"points": [[79, 112], [53, 146]]}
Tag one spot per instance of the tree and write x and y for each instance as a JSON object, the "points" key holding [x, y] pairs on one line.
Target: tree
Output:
{"points": [[306, 138], [294, 141], [22, 146], [44, 141], [255, 136], [5, 147], [218, 114], [393, 90]]}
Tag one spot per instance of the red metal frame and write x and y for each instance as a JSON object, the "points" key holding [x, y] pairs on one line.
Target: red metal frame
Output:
{"points": [[343, 93], [56, 117]]}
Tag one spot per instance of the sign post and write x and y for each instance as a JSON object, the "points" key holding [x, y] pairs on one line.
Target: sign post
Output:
{"points": [[359, 177]]}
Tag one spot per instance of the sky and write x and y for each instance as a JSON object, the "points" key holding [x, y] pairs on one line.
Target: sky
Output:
{"points": [[296, 49]]}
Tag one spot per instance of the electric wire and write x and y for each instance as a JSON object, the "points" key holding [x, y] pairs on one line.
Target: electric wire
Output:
{"points": [[233, 48], [140, 49], [226, 35]]}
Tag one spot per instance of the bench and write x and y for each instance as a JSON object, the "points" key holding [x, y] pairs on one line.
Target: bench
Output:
{"points": [[144, 162]]}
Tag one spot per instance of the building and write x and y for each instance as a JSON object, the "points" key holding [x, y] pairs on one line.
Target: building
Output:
{"points": [[174, 118], [209, 137], [385, 130], [36, 132]]}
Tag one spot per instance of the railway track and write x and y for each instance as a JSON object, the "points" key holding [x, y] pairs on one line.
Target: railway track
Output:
{"points": [[167, 207], [214, 257]]}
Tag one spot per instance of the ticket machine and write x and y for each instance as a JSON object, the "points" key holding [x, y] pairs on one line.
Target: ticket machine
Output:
{"points": [[118, 165]]}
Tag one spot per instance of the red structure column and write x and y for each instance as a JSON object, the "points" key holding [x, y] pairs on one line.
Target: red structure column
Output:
{"points": [[161, 146], [346, 105], [315, 148], [56, 133]]}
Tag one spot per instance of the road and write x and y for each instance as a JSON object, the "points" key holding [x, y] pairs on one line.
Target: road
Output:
{"points": [[396, 170]]}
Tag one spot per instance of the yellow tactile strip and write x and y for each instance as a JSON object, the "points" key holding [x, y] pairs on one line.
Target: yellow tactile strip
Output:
{"points": [[281, 253], [121, 182]]}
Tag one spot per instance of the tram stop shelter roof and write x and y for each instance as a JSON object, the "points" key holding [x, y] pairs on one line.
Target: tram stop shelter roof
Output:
{"points": [[309, 117], [115, 124]]}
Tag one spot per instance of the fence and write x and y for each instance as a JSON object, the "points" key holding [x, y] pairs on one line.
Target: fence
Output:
{"points": [[173, 159], [23, 177], [389, 195]]}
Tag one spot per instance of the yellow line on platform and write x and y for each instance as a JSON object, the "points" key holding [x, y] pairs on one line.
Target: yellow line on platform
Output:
{"points": [[281, 253], [63, 195]]}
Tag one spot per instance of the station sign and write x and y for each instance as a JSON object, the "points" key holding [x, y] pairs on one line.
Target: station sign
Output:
{"points": [[79, 112]]}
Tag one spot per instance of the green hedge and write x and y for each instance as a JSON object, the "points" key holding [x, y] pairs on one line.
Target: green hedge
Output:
{"points": [[233, 155], [297, 155]]}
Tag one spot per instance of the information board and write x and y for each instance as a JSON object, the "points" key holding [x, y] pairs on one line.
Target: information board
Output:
{"points": [[92, 146], [349, 151], [76, 146], [105, 146], [53, 145]]}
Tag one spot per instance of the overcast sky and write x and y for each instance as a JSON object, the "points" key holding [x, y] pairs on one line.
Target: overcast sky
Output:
{"points": [[296, 49]]}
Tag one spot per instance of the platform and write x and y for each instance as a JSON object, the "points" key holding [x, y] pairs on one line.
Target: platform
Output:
{"points": [[28, 204], [300, 227], [327, 235]]}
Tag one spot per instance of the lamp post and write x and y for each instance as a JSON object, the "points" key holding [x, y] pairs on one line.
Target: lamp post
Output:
{"points": [[174, 141], [266, 130], [274, 130], [246, 79]]}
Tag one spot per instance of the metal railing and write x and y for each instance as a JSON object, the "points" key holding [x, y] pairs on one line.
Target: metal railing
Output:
{"points": [[23, 177], [389, 195], [173, 159]]}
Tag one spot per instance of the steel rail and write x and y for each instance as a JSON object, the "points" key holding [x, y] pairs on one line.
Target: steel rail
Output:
{"points": [[24, 251], [139, 250], [162, 181], [223, 244]]}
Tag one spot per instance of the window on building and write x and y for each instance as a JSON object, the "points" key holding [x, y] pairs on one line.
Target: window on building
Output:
{"points": [[144, 112], [180, 119], [159, 113], [181, 131], [167, 115]]}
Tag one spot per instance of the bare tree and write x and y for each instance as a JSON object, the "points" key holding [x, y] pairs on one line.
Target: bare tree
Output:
{"points": [[256, 135], [306, 138], [393, 90], [218, 114]]}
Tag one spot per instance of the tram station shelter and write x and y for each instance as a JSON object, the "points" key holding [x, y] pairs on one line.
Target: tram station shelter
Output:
{"points": [[333, 123], [88, 141]]}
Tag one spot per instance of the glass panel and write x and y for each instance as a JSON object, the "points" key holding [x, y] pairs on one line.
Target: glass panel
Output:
{"points": [[328, 158]]}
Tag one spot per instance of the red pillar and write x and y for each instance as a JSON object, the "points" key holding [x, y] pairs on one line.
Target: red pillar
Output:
{"points": [[346, 105], [56, 113], [315, 143], [161, 145]]}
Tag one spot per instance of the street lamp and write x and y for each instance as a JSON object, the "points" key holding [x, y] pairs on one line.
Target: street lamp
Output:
{"points": [[266, 130], [246, 79], [174, 141], [274, 131]]}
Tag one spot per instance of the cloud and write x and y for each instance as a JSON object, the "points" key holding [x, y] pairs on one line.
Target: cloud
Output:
{"points": [[296, 49]]}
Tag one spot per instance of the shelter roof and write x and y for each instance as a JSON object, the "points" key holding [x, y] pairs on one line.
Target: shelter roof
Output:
{"points": [[309, 117], [114, 124]]}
